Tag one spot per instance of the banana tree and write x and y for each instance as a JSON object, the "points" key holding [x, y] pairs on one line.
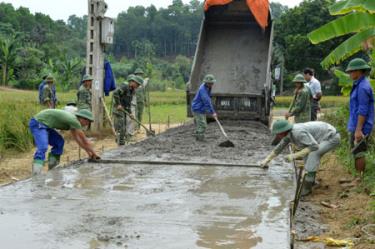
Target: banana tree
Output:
{"points": [[8, 54], [359, 21], [70, 70]]}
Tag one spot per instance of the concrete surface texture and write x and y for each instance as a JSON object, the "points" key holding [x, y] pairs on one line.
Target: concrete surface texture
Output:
{"points": [[157, 206]]}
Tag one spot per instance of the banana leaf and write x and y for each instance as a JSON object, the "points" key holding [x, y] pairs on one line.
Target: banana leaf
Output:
{"points": [[346, 6], [348, 47], [346, 83], [351, 23]]}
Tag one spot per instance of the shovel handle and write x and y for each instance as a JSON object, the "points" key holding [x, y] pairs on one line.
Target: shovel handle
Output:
{"points": [[221, 128], [138, 122]]}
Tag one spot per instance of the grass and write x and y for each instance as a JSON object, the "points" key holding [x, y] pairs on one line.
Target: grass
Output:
{"points": [[17, 107], [326, 101], [339, 120]]}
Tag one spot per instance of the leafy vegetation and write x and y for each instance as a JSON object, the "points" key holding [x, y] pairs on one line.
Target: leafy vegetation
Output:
{"points": [[359, 21]]}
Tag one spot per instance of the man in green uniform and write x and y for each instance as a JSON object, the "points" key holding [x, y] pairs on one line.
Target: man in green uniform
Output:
{"points": [[122, 98], [140, 98], [84, 93], [300, 107], [43, 128], [312, 139], [48, 94]]}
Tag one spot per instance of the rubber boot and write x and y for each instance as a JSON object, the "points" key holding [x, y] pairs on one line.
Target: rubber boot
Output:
{"points": [[53, 161], [200, 137], [37, 167], [308, 184]]}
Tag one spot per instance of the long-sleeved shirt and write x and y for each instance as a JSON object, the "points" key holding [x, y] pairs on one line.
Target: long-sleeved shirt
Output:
{"points": [[300, 107], [361, 103], [123, 95], [309, 134], [40, 89], [84, 96], [202, 101]]}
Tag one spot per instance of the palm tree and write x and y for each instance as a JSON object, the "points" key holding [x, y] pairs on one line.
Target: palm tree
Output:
{"points": [[8, 53]]}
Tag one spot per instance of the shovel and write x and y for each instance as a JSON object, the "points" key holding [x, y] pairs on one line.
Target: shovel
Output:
{"points": [[360, 146], [148, 132], [227, 143]]}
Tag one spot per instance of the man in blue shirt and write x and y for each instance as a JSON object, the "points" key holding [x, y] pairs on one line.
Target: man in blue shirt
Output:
{"points": [[202, 105], [361, 120]]}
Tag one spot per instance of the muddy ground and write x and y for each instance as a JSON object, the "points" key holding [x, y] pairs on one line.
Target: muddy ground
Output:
{"points": [[157, 206], [17, 166], [344, 221]]}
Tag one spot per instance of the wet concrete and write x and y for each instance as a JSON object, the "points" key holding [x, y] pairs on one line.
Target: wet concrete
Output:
{"points": [[157, 206]]}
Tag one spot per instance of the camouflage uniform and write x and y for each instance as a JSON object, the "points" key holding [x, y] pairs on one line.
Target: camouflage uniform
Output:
{"points": [[141, 101], [121, 96], [300, 107], [84, 98], [47, 95]]}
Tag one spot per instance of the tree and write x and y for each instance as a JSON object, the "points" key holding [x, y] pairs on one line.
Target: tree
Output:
{"points": [[291, 31], [8, 47], [359, 21], [70, 70]]}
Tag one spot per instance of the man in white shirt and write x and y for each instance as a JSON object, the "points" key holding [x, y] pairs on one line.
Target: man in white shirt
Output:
{"points": [[316, 92]]}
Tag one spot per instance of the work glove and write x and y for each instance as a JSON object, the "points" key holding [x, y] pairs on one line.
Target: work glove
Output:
{"points": [[297, 155], [265, 162]]}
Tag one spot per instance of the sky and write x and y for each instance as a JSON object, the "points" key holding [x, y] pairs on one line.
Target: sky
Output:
{"points": [[62, 9]]}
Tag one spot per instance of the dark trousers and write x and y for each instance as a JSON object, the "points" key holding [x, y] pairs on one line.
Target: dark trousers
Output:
{"points": [[314, 109]]}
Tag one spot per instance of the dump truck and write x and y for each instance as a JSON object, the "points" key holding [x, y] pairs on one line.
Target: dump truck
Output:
{"points": [[233, 47]]}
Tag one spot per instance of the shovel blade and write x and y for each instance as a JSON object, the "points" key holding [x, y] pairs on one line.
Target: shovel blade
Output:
{"points": [[226, 144]]}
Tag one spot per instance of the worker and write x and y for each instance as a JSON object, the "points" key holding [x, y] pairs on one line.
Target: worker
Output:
{"points": [[140, 99], [315, 92], [361, 110], [42, 127], [300, 107], [48, 95], [122, 98], [202, 105], [312, 139], [53, 88], [84, 93]]}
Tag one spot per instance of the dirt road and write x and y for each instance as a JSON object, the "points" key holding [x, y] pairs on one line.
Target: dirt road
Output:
{"points": [[157, 206]]}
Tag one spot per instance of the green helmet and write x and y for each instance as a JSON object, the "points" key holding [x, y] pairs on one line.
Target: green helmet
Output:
{"points": [[50, 78], [357, 64], [281, 126], [87, 77], [71, 102], [139, 71], [137, 79], [299, 78], [84, 113], [209, 78], [130, 77]]}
